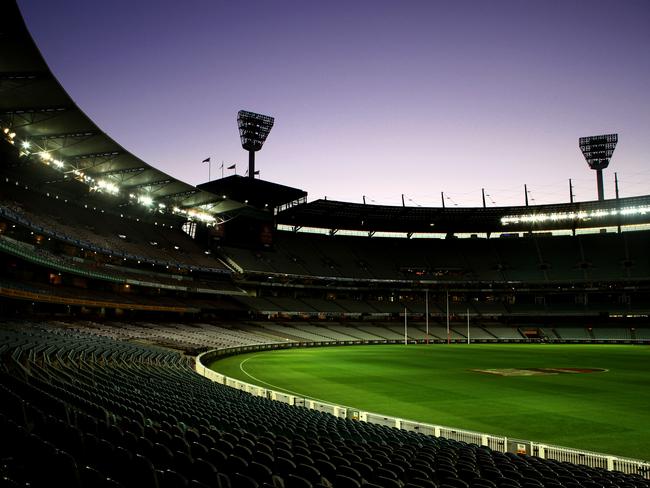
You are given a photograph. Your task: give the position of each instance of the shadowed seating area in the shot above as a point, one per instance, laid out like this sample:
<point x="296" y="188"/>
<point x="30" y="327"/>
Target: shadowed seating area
<point x="91" y="410"/>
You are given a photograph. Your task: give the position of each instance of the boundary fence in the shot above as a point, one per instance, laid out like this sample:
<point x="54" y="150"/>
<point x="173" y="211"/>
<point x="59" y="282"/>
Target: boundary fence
<point x="497" y="443"/>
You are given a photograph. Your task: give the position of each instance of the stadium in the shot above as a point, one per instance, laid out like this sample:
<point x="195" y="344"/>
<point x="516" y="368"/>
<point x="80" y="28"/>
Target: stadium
<point x="234" y="334"/>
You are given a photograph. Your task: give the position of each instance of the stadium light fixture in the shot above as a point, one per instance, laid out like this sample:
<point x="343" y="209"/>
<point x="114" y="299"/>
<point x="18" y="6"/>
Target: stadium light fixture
<point x="108" y="187"/>
<point x="541" y="218"/>
<point x="598" y="150"/>
<point x="25" y="144"/>
<point x="253" y="131"/>
<point x="145" y="200"/>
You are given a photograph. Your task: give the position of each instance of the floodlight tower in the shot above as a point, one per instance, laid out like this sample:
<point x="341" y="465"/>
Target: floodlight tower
<point x="598" y="150"/>
<point x="253" y="131"/>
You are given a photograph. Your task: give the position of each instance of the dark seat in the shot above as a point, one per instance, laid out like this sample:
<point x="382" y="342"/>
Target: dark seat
<point x="482" y="483"/>
<point x="198" y="484"/>
<point x="141" y="473"/>
<point x="422" y="483"/>
<point x="295" y="481"/>
<point x="342" y="481"/>
<point x="309" y="472"/>
<point x="205" y="472"/>
<point x="260" y="472"/>
<point x="388" y="482"/>
<point x="235" y="464"/>
<point x="455" y="483"/>
<point x="284" y="466"/>
<point x="349" y="472"/>
<point x="326" y="468"/>
<point x="240" y="480"/>
<point x="172" y="479"/>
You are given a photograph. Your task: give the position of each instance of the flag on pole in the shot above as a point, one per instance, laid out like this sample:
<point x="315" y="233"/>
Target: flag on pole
<point x="206" y="160"/>
<point x="232" y="166"/>
<point x="257" y="172"/>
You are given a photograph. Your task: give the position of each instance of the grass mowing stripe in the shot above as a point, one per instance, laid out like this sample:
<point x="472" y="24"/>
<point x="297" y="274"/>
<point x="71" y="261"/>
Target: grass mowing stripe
<point x="605" y="411"/>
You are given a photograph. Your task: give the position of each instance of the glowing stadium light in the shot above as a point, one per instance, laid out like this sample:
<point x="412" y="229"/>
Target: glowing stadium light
<point x="58" y="163"/>
<point x="145" y="200"/>
<point x="6" y="130"/>
<point x="46" y="156"/>
<point x="25" y="144"/>
<point x="572" y="216"/>
<point x="598" y="150"/>
<point x="202" y="216"/>
<point x="108" y="187"/>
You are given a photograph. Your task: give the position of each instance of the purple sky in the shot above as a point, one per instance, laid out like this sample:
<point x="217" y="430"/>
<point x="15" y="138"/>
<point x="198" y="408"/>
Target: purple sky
<point x="374" y="98"/>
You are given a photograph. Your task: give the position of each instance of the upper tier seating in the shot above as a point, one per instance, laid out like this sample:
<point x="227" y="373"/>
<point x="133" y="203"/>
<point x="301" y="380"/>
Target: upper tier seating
<point x="101" y="231"/>
<point x="537" y="259"/>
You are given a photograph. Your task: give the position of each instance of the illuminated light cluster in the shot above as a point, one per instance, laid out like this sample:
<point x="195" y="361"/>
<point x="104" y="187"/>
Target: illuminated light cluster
<point x="568" y="216"/>
<point x="202" y="216"/>
<point x="194" y="214"/>
<point x="9" y="134"/>
<point x="105" y="186"/>
<point x="145" y="200"/>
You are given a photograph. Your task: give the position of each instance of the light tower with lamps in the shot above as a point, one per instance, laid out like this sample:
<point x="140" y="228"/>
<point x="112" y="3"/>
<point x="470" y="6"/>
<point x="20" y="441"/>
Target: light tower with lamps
<point x="598" y="150"/>
<point x="253" y="131"/>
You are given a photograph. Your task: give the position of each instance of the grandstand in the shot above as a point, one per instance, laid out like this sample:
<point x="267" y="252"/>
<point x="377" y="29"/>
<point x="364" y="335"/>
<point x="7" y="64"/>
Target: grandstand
<point x="114" y="276"/>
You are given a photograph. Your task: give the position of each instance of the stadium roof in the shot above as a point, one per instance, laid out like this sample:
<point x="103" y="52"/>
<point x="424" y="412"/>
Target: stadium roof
<point x="255" y="192"/>
<point x="35" y="109"/>
<point x="335" y="215"/>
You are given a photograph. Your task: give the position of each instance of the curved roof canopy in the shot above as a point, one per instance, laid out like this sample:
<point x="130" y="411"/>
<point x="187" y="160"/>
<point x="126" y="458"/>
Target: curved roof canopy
<point x="331" y="214"/>
<point x="36" y="110"/>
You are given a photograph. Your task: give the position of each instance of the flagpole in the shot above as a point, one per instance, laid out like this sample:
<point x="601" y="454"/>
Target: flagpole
<point x="207" y="160"/>
<point x="222" y="169"/>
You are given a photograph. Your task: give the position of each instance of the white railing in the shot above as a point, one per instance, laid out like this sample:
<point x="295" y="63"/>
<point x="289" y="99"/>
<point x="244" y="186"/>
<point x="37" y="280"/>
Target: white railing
<point x="497" y="443"/>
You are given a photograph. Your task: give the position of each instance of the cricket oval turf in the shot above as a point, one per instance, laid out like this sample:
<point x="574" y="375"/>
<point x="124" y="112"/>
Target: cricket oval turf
<point x="592" y="397"/>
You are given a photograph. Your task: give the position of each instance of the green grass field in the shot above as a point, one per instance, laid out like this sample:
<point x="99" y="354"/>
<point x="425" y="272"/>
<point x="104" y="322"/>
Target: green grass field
<point x="603" y="411"/>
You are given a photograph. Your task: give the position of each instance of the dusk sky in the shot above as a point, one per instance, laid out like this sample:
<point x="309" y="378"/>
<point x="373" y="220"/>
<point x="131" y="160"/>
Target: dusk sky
<point x="374" y="98"/>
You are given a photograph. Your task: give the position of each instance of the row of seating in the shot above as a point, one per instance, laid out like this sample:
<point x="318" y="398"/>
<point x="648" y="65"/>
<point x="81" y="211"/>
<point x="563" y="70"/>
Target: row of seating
<point x="90" y="410"/>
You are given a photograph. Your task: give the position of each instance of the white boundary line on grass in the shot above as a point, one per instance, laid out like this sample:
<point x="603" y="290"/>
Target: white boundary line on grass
<point x="276" y="387"/>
